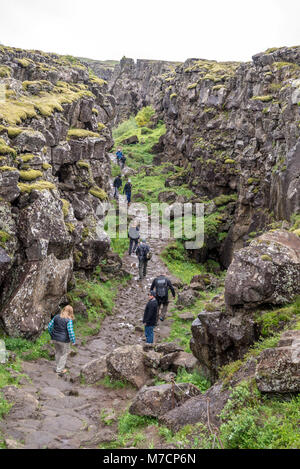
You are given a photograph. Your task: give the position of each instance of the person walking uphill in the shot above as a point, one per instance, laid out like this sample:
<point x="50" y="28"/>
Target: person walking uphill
<point x="119" y="156"/>
<point x="161" y="286"/>
<point x="62" y="333"/>
<point x="117" y="185"/>
<point x="134" y="235"/>
<point x="144" y="255"/>
<point x="127" y="190"/>
<point x="150" y="316"/>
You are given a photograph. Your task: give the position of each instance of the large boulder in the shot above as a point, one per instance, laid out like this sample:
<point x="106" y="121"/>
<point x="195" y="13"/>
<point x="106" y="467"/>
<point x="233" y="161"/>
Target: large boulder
<point x="95" y="370"/>
<point x="219" y="338"/>
<point x="155" y="401"/>
<point x="266" y="272"/>
<point x="278" y="369"/>
<point x="31" y="293"/>
<point x="127" y="364"/>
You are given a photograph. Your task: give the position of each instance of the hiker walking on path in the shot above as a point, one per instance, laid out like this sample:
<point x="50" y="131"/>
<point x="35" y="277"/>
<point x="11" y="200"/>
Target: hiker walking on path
<point x="143" y="253"/>
<point x="161" y="286"/>
<point x="134" y="235"/>
<point x="127" y="190"/>
<point x="150" y="316"/>
<point x="117" y="185"/>
<point x="122" y="161"/>
<point x="62" y="333"/>
<point x="119" y="155"/>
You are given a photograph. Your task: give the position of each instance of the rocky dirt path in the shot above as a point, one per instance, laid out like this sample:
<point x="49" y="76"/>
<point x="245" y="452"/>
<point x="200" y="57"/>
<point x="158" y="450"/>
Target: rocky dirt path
<point x="54" y="412"/>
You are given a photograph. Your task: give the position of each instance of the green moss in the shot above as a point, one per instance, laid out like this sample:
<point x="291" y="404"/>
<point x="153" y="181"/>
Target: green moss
<point x="85" y="233"/>
<point x="192" y="86"/>
<point x="252" y="180"/>
<point x="24" y="62"/>
<point x="95" y="111"/>
<point x="65" y="207"/>
<point x="101" y="126"/>
<point x="173" y="95"/>
<point x="81" y="133"/>
<point x="46" y="166"/>
<point x="225" y="199"/>
<point x="99" y="193"/>
<point x="5" y="149"/>
<point x="266" y="258"/>
<point x="27" y="157"/>
<point x="38" y="186"/>
<point x="229" y="161"/>
<point x="5" y="72"/>
<point x="8" y="168"/>
<point x="83" y="164"/>
<point x="71" y="227"/>
<point x="264" y="99"/>
<point x="4" y="237"/>
<point x="14" y="111"/>
<point x="30" y="175"/>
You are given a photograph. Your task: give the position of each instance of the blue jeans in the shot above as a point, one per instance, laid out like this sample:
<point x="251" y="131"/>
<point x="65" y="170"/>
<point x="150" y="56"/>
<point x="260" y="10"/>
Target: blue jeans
<point x="128" y="197"/>
<point x="149" y="333"/>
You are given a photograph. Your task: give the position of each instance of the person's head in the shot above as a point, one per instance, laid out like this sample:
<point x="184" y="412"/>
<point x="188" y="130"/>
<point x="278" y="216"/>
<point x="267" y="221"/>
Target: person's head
<point x="143" y="240"/>
<point x="67" y="312"/>
<point x="120" y="176"/>
<point x="129" y="180"/>
<point x="151" y="294"/>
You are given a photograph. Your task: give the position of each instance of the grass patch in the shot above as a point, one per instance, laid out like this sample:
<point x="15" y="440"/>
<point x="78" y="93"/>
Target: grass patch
<point x="178" y="263"/>
<point x="253" y="421"/>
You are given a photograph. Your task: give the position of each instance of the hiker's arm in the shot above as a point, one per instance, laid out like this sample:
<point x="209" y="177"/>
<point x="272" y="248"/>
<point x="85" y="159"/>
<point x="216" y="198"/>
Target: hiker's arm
<point x="50" y="326"/>
<point x="153" y="285"/>
<point x="71" y="331"/>
<point x="171" y="288"/>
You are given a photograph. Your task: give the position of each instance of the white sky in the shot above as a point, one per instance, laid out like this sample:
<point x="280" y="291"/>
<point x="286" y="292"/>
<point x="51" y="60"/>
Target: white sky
<point x="151" y="29"/>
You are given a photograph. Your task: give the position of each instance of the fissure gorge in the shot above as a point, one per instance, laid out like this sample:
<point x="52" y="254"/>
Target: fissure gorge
<point x="225" y="135"/>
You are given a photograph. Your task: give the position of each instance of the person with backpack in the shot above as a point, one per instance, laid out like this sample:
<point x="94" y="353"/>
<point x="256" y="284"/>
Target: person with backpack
<point x="150" y="316"/>
<point x="119" y="155"/>
<point x="144" y="255"/>
<point x="161" y="285"/>
<point x="117" y="185"/>
<point x="127" y="191"/>
<point x="134" y="235"/>
<point x="61" y="331"/>
<point x="122" y="161"/>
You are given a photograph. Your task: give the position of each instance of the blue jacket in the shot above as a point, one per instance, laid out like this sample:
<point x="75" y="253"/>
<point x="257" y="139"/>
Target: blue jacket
<point x="119" y="155"/>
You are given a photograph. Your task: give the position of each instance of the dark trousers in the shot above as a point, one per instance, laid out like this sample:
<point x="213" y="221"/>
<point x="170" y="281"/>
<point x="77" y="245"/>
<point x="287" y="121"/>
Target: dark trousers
<point x="149" y="334"/>
<point x="142" y="268"/>
<point x="132" y="245"/>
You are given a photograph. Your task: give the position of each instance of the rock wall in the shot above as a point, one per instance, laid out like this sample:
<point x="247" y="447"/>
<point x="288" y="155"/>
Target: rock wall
<point x="233" y="126"/>
<point x="54" y="174"/>
<point x="138" y="84"/>
<point x="236" y="127"/>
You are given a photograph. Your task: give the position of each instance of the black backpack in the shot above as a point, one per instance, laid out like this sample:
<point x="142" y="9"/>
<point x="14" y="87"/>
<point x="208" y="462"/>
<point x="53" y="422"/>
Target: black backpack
<point x="161" y="287"/>
<point x="146" y="254"/>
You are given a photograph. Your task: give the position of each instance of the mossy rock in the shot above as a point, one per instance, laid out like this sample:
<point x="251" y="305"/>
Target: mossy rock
<point x="81" y="133"/>
<point x="6" y="150"/>
<point x="99" y="193"/>
<point x="38" y="186"/>
<point x="30" y="175"/>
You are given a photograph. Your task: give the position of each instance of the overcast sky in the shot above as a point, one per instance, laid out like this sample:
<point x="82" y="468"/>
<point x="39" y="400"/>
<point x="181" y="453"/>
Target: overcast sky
<point x="153" y="29"/>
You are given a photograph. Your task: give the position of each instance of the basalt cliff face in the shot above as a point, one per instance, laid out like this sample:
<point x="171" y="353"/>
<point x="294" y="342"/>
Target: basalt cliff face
<point x="54" y="174"/>
<point x="233" y="127"/>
